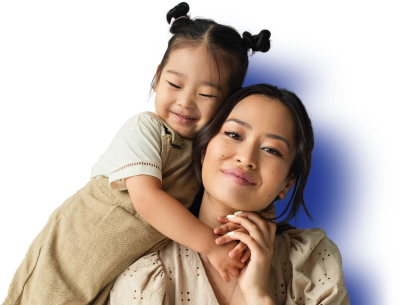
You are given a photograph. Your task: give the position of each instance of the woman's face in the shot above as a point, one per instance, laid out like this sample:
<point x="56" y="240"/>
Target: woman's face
<point x="246" y="165"/>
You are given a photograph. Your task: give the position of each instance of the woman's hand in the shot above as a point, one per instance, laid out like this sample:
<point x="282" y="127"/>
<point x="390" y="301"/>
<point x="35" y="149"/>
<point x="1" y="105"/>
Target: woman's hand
<point x="229" y="227"/>
<point x="253" y="278"/>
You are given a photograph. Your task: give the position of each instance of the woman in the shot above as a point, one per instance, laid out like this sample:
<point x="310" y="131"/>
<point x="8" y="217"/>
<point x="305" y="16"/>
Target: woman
<point x="257" y="147"/>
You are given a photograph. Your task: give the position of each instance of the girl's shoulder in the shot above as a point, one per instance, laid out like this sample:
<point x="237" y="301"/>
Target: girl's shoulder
<point x="144" y="119"/>
<point x="163" y="124"/>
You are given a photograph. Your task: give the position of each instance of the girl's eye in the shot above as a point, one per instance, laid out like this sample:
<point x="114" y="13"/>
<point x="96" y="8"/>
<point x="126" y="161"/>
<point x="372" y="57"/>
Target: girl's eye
<point x="233" y="135"/>
<point x="210" y="96"/>
<point x="272" y="151"/>
<point x="173" y="85"/>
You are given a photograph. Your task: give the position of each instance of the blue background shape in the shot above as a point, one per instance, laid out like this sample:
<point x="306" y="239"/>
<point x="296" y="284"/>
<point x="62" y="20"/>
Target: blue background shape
<point x="350" y="188"/>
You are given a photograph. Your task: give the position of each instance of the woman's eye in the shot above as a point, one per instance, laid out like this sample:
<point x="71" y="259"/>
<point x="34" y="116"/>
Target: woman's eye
<point x="173" y="85"/>
<point x="272" y="151"/>
<point x="233" y="135"/>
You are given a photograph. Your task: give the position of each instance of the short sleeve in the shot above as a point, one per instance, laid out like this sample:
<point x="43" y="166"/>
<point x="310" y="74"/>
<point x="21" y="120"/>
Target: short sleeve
<point x="143" y="282"/>
<point x="135" y="150"/>
<point x="317" y="270"/>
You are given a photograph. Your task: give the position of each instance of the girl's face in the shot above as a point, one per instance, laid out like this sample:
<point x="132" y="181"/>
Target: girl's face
<point x="246" y="165"/>
<point x="190" y="90"/>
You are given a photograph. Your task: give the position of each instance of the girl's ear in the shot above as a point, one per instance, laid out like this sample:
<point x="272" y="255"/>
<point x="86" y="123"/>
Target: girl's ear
<point x="157" y="79"/>
<point x="289" y="183"/>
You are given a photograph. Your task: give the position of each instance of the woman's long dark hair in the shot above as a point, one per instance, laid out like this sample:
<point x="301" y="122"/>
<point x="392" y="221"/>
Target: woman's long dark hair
<point x="304" y="140"/>
<point x="223" y="43"/>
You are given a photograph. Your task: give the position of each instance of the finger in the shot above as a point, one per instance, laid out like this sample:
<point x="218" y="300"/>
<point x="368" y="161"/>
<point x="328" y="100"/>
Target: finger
<point x="258" y="229"/>
<point x="257" y="223"/>
<point x="246" y="255"/>
<point x="225" y="239"/>
<point x="225" y="275"/>
<point x="264" y="215"/>
<point x="222" y="219"/>
<point x="251" y="242"/>
<point x="238" y="263"/>
<point x="230" y="226"/>
<point x="234" y="272"/>
<point x="238" y="249"/>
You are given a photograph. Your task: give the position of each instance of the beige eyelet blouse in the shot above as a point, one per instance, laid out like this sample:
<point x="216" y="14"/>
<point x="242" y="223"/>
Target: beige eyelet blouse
<point x="306" y="269"/>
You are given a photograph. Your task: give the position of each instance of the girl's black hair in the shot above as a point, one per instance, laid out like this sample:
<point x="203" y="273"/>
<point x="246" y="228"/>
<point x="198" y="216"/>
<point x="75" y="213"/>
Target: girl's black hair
<point x="224" y="43"/>
<point x="304" y="140"/>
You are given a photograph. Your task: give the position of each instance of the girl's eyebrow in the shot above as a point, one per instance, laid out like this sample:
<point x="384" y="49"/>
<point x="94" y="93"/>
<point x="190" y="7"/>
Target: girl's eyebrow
<point x="268" y="135"/>
<point x="181" y="75"/>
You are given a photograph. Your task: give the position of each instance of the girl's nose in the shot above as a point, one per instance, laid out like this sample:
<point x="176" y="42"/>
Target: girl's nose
<point x="186" y="101"/>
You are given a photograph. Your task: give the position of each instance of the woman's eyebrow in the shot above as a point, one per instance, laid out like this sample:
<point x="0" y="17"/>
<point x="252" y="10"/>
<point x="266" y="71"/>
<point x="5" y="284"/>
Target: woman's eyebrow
<point x="268" y="135"/>
<point x="181" y="75"/>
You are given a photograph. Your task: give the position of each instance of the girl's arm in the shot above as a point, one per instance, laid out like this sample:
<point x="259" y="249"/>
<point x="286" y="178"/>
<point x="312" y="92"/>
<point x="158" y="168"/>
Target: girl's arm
<point x="173" y="220"/>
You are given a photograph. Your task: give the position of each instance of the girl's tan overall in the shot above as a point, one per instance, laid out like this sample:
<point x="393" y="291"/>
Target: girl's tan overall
<point x="95" y="235"/>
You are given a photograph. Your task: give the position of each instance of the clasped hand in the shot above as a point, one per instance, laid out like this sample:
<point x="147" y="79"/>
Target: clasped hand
<point x="253" y="253"/>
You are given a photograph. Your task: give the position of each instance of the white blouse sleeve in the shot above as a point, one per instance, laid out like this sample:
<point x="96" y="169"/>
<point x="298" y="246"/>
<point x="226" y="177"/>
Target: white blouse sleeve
<point x="135" y="150"/>
<point x="142" y="283"/>
<point x="317" y="270"/>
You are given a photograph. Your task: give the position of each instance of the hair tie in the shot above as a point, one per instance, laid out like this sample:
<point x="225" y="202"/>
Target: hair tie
<point x="173" y="20"/>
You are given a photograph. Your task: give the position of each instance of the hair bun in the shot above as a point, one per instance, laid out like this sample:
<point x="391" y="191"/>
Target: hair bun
<point x="179" y="10"/>
<point x="258" y="42"/>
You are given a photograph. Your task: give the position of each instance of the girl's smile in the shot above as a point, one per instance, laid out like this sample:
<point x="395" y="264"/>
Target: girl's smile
<point x="183" y="118"/>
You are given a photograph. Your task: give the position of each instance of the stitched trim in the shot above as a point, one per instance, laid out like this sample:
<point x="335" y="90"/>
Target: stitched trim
<point x="156" y="119"/>
<point x="134" y="164"/>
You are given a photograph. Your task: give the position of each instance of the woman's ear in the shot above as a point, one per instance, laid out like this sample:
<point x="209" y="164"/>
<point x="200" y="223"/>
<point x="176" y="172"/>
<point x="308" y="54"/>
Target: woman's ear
<point x="203" y="154"/>
<point x="283" y="193"/>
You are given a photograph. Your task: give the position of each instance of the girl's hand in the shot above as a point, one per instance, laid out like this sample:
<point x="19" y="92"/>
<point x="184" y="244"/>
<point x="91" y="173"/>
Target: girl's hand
<point x="253" y="279"/>
<point x="229" y="227"/>
<point x="225" y="265"/>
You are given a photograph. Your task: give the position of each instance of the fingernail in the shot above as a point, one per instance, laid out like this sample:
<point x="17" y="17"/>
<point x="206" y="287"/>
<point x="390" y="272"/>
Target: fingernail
<point x="230" y="216"/>
<point x="218" y="240"/>
<point x="238" y="212"/>
<point x="230" y="233"/>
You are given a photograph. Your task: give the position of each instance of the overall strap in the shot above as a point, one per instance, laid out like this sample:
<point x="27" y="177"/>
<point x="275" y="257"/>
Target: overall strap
<point x="176" y="140"/>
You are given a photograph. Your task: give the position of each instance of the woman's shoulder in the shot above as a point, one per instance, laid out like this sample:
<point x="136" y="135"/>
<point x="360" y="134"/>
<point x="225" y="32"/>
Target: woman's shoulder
<point x="143" y="280"/>
<point x="160" y="276"/>
<point x="314" y="264"/>
<point x="301" y="242"/>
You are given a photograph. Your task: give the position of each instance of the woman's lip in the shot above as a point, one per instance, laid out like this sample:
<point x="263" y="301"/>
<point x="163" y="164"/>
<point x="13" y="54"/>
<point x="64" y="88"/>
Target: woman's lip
<point x="240" y="174"/>
<point x="237" y="180"/>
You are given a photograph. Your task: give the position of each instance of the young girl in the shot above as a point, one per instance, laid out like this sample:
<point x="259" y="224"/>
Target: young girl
<point x="144" y="182"/>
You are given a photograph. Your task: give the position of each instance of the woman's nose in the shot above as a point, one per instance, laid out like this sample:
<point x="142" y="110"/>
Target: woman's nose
<point x="247" y="156"/>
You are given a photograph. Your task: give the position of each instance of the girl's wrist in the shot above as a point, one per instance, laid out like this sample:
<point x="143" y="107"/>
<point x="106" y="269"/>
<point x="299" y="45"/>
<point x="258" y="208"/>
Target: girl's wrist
<point x="207" y="243"/>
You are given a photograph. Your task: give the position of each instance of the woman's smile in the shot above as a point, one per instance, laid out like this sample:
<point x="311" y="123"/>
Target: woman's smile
<point x="238" y="177"/>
